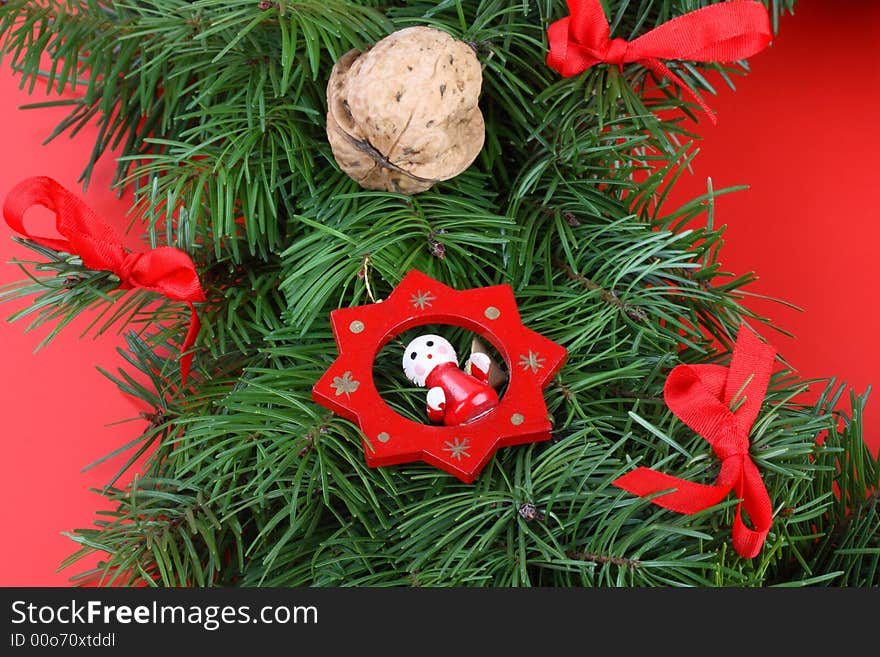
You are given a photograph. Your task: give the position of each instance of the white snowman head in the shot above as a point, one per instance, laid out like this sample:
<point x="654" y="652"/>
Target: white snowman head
<point x="423" y="354"/>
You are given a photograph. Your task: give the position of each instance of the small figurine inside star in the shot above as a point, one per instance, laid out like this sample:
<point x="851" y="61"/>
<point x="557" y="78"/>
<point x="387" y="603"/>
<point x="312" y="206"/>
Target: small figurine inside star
<point x="455" y="396"/>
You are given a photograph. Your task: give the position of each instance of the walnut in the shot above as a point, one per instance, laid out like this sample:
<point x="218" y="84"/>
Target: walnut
<point x="404" y="114"/>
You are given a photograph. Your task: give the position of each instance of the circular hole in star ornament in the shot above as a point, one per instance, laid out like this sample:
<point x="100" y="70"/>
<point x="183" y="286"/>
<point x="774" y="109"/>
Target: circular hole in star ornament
<point x="440" y="374"/>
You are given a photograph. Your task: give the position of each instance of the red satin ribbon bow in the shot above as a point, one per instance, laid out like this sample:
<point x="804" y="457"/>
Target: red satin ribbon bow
<point x="701" y="396"/>
<point x="166" y="270"/>
<point x="724" y="32"/>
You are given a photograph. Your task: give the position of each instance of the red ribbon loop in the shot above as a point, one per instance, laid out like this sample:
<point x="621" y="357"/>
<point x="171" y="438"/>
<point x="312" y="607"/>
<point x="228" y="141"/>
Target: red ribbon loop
<point x="165" y="270"/>
<point x="702" y="396"/>
<point x="725" y="32"/>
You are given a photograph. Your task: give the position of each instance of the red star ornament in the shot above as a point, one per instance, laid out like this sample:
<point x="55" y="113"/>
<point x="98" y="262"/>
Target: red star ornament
<point x="347" y="386"/>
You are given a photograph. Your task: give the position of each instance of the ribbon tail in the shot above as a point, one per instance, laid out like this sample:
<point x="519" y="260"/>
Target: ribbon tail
<point x="42" y="191"/>
<point x="748" y="542"/>
<point x="194" y="326"/>
<point x="660" y="69"/>
<point x="722" y="32"/>
<point x="689" y="497"/>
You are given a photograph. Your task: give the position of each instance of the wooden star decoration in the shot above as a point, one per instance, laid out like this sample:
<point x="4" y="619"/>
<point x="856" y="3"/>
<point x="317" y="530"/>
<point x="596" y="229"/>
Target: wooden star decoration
<point x="348" y="389"/>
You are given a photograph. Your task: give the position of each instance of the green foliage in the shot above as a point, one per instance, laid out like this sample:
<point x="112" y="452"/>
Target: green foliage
<point x="219" y="110"/>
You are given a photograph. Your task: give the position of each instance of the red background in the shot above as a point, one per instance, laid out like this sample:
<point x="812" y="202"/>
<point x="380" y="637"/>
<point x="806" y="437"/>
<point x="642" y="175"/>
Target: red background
<point x="800" y="131"/>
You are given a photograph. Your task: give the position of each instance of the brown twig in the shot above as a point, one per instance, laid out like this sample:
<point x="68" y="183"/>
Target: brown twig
<point x="567" y="393"/>
<point x="156" y="419"/>
<point x="312" y="436"/>
<point x="633" y="312"/>
<point x="603" y="558"/>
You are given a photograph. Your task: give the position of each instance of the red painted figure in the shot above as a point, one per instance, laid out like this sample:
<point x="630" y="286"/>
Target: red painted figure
<point x="454" y="396"/>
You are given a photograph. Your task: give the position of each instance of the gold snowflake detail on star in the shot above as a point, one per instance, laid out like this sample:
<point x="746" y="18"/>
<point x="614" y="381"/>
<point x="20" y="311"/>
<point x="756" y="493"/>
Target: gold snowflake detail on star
<point x="344" y="384"/>
<point x="532" y="362"/>
<point x="421" y="300"/>
<point x="457" y="448"/>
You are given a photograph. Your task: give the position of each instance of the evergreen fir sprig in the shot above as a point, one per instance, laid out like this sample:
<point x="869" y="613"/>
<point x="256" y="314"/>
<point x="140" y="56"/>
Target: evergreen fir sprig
<point x="218" y="109"/>
<point x="71" y="289"/>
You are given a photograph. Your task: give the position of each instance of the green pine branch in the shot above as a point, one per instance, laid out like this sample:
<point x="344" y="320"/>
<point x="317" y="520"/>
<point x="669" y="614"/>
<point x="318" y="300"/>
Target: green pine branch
<point x="218" y="109"/>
